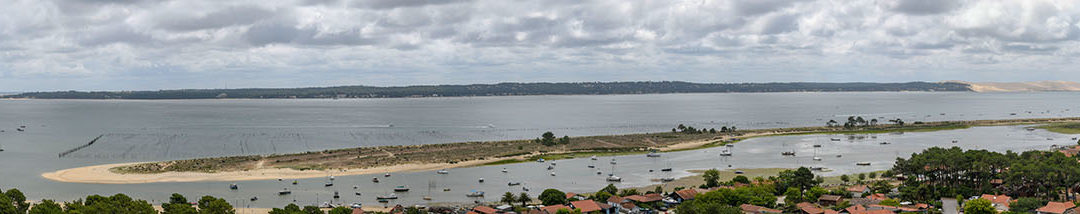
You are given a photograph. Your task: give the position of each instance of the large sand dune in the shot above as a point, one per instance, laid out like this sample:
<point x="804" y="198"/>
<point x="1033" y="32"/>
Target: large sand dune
<point x="1024" y="86"/>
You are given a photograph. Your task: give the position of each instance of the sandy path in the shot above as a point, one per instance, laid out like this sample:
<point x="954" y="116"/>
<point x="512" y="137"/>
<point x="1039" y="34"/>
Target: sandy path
<point x="100" y="174"/>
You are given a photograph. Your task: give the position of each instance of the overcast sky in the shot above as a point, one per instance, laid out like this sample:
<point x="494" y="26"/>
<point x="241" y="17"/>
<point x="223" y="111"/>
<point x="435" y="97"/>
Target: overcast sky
<point x="134" y="44"/>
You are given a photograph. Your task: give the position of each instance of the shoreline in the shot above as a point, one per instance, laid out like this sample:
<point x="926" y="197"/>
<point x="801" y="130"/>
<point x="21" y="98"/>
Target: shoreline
<point x="107" y="173"/>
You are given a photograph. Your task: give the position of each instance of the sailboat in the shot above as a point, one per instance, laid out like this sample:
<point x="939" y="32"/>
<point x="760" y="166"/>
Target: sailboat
<point x="431" y="185"/>
<point x="725" y="153"/>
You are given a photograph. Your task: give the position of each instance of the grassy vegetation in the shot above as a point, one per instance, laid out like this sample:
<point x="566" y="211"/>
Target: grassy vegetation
<point x="1062" y="128"/>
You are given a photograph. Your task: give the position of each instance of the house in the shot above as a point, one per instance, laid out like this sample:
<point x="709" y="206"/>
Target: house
<point x="555" y="208"/>
<point x="484" y="210"/>
<point x="1057" y="208"/>
<point x="684" y="195"/>
<point x="829" y="200"/>
<point x="808" y="208"/>
<point x="570" y="195"/>
<point x="1000" y="202"/>
<point x="877" y="197"/>
<point x="857" y="191"/>
<point x="590" y="206"/>
<point x="751" y="209"/>
<point x="648" y="198"/>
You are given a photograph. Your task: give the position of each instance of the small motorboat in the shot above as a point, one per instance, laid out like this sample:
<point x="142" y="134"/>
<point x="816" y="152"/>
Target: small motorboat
<point x="279" y="179"/>
<point x="446" y="189"/>
<point x="614" y="178"/>
<point x="817" y="145"/>
<point x="612" y="162"/>
<point x="667" y="179"/>
<point x="328" y="184"/>
<point x="233" y="186"/>
<point x="357" y="193"/>
<point x="383" y="200"/>
<point x="834" y="139"/>
<point x="474" y="194"/>
<point x="725" y="153"/>
<point x="481" y="180"/>
<point x="504" y="170"/>
<point x="336" y="195"/>
<point x="541" y="160"/>
<point x="552" y="173"/>
<point x="862" y="164"/>
<point x="787" y="153"/>
<point x="552" y="163"/>
<point x="389" y="196"/>
<point x="442" y="172"/>
<point x="255" y="198"/>
<point x="355" y="187"/>
<point x="525" y="189"/>
<point x="427" y="198"/>
<point x="652" y="155"/>
<point x="1030" y="129"/>
<point x="817" y="168"/>
<point x="401" y="189"/>
<point x="665" y="170"/>
<point x="884" y="143"/>
<point x="591" y="166"/>
<point x="593" y="157"/>
<point x="839" y="156"/>
<point x="356" y="205"/>
<point x="550" y="167"/>
<point x="817" y="158"/>
<point x="285" y="191"/>
<point x="386" y="175"/>
<point x="294" y="182"/>
<point x="375" y="179"/>
<point x="598" y="172"/>
<point x="331" y="177"/>
<point x="513" y="183"/>
<point x="739" y="172"/>
<point x="730" y="145"/>
<point x="955" y="141"/>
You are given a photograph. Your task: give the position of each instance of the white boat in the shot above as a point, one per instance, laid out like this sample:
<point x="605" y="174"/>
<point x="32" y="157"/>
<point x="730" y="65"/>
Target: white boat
<point x="390" y="196"/>
<point x="233" y="186"/>
<point x="817" y="145"/>
<point x="541" y="160"/>
<point x="481" y="180"/>
<point x="356" y="205"/>
<point x="284" y="192"/>
<point x="328" y="184"/>
<point x="725" y="153"/>
<point x="787" y="153"/>
<point x="667" y="179"/>
<point x="552" y="163"/>
<point x="375" y="179"/>
<point x="386" y="175"/>
<point x="593" y="157"/>
<point x="552" y="173"/>
<point x="401" y="189"/>
<point x="504" y="170"/>
<point x="614" y="178"/>
<point x="475" y="193"/>
<point x="443" y="172"/>
<point x="652" y="155"/>
<point x="331" y="177"/>
<point x="817" y="158"/>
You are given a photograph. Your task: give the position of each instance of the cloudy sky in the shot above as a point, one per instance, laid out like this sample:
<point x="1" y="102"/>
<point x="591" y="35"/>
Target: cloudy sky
<point x="136" y="44"/>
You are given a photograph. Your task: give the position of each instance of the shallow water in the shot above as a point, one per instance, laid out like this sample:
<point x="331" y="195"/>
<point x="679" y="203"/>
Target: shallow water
<point x="177" y="129"/>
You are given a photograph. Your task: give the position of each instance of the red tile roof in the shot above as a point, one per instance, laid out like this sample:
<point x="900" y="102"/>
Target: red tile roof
<point x="570" y="195"/>
<point x="857" y="188"/>
<point x="756" y="209"/>
<point x="877" y="196"/>
<point x="809" y="208"/>
<point x="615" y="199"/>
<point x="997" y="199"/>
<point x="555" y="208"/>
<point x="484" y="210"/>
<point x="585" y="206"/>
<point x="644" y="198"/>
<point x="686" y="194"/>
<point x="1056" y="207"/>
<point x="829" y="198"/>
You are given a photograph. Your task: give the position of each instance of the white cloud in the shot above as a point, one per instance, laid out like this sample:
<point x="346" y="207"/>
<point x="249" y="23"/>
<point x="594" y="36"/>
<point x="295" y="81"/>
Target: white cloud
<point x="133" y="44"/>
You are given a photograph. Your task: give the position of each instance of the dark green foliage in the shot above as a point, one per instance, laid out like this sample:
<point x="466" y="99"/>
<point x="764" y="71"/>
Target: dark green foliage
<point x="938" y="172"/>
<point x="119" y="204"/>
<point x="712" y="178"/>
<point x="726" y="200"/>
<point x="979" y="206"/>
<point x="497" y="90"/>
<point x="1027" y="204"/>
<point x="19" y="199"/>
<point x="564" y="140"/>
<point x="524" y="198"/>
<point x="46" y="207"/>
<point x="740" y="179"/>
<point x="626" y="192"/>
<point x="178" y="209"/>
<point x="211" y="205"/>
<point x="7" y="206"/>
<point x="508" y="198"/>
<point x="547" y="139"/>
<point x="289" y="209"/>
<point x="610" y="189"/>
<point x="312" y="210"/>
<point x="552" y="197"/>
<point x="345" y="210"/>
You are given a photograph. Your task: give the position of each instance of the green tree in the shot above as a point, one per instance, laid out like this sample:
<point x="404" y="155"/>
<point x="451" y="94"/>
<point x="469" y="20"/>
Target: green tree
<point x="862" y="177"/>
<point x="564" y="140"/>
<point x="508" y="198"/>
<point x="547" y="139"/>
<point x="7" y="206"/>
<point x="873" y="175"/>
<point x="1026" y="204"/>
<point x="178" y="209"/>
<point x="568" y="211"/>
<point x="312" y="210"/>
<point x="979" y="206"/>
<point x="740" y="179"/>
<point x="177" y="198"/>
<point x="552" y="197"/>
<point x="524" y="198"/>
<point x="341" y="210"/>
<point x="19" y="199"/>
<point x="881" y="186"/>
<point x="118" y="204"/>
<point x="712" y="178"/>
<point x="215" y="206"/>
<point x="289" y="209"/>
<point x="627" y="192"/>
<point x="611" y="189"/>
<point x="815" y="192"/>
<point x="601" y="196"/>
<point x="845" y="178"/>
<point x="793" y="196"/>
<point x="47" y="207"/>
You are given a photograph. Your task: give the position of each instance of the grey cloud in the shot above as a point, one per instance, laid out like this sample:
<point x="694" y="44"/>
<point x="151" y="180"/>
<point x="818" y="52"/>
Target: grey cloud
<point x="757" y="7"/>
<point x="231" y="16"/>
<point x="113" y="34"/>
<point x="924" y="7"/>
<point x="391" y="4"/>
<point x="264" y="34"/>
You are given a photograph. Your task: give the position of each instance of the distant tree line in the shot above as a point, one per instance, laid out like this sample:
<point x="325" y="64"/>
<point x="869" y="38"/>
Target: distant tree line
<point x="501" y="89"/>
<point x="939" y="172"/>
<point x="691" y="130"/>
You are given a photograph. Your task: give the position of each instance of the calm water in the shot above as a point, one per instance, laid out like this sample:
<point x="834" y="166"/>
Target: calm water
<point x="179" y="129"/>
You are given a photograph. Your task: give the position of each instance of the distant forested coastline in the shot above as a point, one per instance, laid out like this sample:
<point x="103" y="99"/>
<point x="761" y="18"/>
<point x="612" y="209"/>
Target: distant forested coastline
<point x="500" y="89"/>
